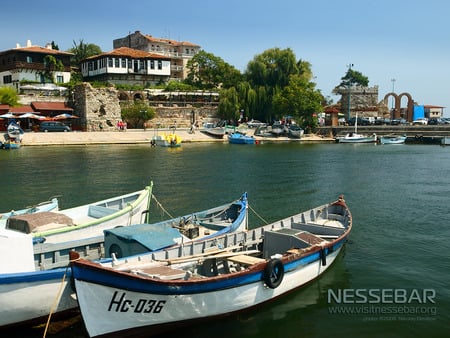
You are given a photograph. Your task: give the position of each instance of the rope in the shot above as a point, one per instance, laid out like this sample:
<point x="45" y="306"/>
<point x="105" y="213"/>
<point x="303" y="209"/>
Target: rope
<point x="262" y="219"/>
<point x="162" y="208"/>
<point x="56" y="302"/>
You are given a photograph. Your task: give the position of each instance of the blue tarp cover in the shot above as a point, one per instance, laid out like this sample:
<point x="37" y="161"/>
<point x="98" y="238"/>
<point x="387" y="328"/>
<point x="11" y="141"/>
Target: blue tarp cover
<point x="152" y="236"/>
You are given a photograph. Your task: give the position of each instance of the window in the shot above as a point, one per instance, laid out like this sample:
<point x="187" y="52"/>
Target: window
<point x="59" y="79"/>
<point x="159" y="64"/>
<point x="152" y="64"/>
<point x="130" y="64"/>
<point x="116" y="62"/>
<point x="110" y="62"/>
<point x="7" y="79"/>
<point x="29" y="59"/>
<point x="124" y="63"/>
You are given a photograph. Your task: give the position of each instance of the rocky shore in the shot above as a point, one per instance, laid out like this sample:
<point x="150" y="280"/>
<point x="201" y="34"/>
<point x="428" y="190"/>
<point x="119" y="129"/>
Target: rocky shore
<point x="135" y="136"/>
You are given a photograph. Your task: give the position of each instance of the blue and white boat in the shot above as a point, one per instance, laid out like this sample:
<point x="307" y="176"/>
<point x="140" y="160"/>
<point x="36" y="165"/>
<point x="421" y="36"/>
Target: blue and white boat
<point x="30" y="287"/>
<point x="239" y="138"/>
<point x="392" y="139"/>
<point x="51" y="205"/>
<point x="210" y="278"/>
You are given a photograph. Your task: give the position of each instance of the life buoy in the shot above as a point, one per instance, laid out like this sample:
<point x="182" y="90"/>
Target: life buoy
<point x="273" y="273"/>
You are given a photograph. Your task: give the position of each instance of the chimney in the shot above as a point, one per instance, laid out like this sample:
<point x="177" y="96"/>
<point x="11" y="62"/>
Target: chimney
<point x="17" y="45"/>
<point x="48" y="45"/>
<point x="28" y="43"/>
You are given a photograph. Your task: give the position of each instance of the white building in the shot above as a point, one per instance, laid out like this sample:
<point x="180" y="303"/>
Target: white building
<point x="33" y="64"/>
<point x="179" y="52"/>
<point x="127" y="66"/>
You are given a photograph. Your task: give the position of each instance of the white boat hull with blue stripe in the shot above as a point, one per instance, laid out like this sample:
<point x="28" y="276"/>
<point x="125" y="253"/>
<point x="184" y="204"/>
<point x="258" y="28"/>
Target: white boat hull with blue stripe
<point x="207" y="279"/>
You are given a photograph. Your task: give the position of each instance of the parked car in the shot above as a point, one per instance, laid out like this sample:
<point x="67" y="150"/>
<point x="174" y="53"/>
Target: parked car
<point x="361" y="121"/>
<point x="255" y="124"/>
<point x="53" y="126"/>
<point x="435" y="121"/>
<point x="421" y="120"/>
<point x="398" y="121"/>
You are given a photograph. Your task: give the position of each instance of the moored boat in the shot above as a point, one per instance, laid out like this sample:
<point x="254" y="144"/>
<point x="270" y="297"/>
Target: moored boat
<point x="354" y="137"/>
<point x="238" y="138"/>
<point x="392" y="139"/>
<point x="357" y="138"/>
<point x="167" y="140"/>
<point x="178" y="286"/>
<point x="51" y="205"/>
<point x="34" y="252"/>
<point x="28" y="292"/>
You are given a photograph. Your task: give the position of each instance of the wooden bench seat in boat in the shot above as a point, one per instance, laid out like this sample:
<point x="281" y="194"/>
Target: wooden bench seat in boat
<point x="245" y="259"/>
<point x="162" y="272"/>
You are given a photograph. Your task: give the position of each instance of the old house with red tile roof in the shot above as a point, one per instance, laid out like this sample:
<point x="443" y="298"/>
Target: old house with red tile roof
<point x="179" y="52"/>
<point x="127" y="66"/>
<point x="30" y="63"/>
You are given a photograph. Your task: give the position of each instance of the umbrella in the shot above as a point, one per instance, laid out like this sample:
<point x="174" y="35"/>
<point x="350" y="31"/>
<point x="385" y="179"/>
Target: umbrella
<point x="65" y="116"/>
<point x="30" y="116"/>
<point x="7" y="116"/>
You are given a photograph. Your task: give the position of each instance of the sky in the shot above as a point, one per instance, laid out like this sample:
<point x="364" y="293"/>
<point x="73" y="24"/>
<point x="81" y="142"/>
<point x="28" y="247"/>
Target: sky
<point x="400" y="45"/>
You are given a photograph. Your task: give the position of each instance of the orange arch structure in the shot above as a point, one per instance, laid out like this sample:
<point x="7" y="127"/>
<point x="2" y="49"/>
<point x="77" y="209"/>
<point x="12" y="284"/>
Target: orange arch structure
<point x="397" y="105"/>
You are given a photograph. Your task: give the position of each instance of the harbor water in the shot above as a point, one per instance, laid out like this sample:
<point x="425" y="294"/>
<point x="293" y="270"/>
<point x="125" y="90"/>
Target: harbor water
<point x="391" y="280"/>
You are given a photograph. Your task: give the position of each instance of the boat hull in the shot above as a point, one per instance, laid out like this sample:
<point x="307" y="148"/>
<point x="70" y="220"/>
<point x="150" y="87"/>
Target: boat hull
<point x="358" y="139"/>
<point x="29" y="296"/>
<point x="237" y="138"/>
<point x="178" y="287"/>
<point x="392" y="140"/>
<point x="118" y="310"/>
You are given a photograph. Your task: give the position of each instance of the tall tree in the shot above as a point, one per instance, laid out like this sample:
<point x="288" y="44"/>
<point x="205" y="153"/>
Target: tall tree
<point x="82" y="51"/>
<point x="268" y="73"/>
<point x="301" y="100"/>
<point x="207" y="71"/>
<point x="352" y="78"/>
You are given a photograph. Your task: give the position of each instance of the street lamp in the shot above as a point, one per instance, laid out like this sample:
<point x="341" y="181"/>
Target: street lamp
<point x="350" y="65"/>
<point x="393" y="99"/>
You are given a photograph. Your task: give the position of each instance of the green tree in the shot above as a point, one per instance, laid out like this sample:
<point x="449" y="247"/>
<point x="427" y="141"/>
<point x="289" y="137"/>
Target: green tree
<point x="207" y="71"/>
<point x="352" y="78"/>
<point x="137" y="113"/>
<point x="229" y="104"/>
<point x="268" y="73"/>
<point x="8" y="95"/>
<point x="82" y="51"/>
<point x="51" y="65"/>
<point x="300" y="100"/>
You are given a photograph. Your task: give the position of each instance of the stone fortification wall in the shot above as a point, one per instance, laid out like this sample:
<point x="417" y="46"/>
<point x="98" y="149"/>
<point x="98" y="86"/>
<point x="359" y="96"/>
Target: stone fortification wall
<point x="99" y="109"/>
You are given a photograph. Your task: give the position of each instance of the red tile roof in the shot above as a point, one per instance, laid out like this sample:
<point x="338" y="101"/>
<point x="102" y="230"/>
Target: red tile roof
<point x="37" y="49"/>
<point x="52" y="106"/>
<point x="168" y="41"/>
<point x="130" y="52"/>
<point x="21" y="109"/>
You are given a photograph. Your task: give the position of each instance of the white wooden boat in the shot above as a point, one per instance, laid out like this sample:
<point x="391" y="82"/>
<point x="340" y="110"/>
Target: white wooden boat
<point x="33" y="260"/>
<point x="156" y="292"/>
<point x="28" y="294"/>
<point x="51" y="205"/>
<point x="357" y="138"/>
<point x="354" y="137"/>
<point x="392" y="139"/>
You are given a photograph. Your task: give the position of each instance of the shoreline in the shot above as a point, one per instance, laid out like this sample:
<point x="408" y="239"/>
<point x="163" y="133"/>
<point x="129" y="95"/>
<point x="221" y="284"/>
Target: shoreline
<point x="138" y="136"/>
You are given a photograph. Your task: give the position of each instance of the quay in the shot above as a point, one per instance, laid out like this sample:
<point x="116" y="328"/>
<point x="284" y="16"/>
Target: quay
<point x="139" y="136"/>
<point x="414" y="133"/>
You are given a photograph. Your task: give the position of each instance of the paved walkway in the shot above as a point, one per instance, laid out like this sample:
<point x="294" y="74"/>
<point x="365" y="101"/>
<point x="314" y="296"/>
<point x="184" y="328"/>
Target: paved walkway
<point x="132" y="136"/>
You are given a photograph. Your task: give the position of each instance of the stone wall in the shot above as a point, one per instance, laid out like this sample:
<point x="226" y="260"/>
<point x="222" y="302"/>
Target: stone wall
<point x="99" y="109"/>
